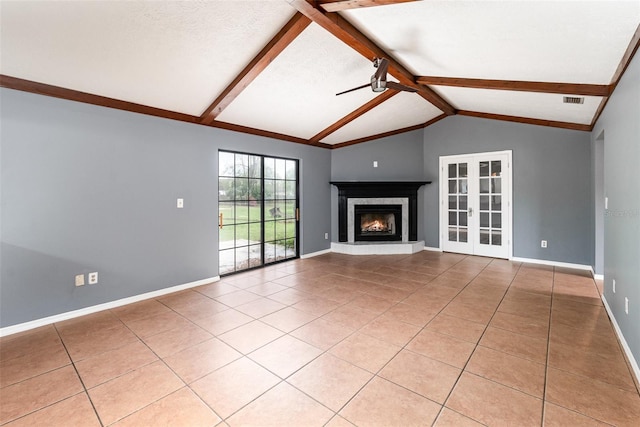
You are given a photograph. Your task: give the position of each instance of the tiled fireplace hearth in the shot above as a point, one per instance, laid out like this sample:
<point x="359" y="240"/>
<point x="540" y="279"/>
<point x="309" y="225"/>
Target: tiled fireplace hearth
<point x="378" y="217"/>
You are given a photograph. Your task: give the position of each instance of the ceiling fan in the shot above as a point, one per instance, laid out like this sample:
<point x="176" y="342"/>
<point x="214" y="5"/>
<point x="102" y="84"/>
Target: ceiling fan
<point x="379" y="81"/>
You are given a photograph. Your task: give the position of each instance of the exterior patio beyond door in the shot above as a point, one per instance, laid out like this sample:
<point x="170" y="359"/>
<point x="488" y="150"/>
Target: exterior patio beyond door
<point x="475" y="204"/>
<point x="257" y="210"/>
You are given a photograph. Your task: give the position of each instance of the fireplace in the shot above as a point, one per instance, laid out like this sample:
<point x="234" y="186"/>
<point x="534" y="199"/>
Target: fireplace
<point x="377" y="222"/>
<point x="399" y="198"/>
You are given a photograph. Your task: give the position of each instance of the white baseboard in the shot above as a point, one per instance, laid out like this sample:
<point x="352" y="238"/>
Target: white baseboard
<point x="312" y="254"/>
<point x="21" y="327"/>
<point x="553" y="263"/>
<point x="632" y="361"/>
<point x="429" y="248"/>
<point x="598" y="276"/>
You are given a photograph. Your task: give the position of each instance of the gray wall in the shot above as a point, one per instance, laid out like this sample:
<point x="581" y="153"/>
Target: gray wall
<point x="87" y="188"/>
<point x="399" y="158"/>
<point x="620" y="122"/>
<point x="551" y="183"/>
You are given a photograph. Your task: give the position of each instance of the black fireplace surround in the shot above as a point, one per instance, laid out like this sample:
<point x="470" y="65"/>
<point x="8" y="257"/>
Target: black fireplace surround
<point x="369" y="189"/>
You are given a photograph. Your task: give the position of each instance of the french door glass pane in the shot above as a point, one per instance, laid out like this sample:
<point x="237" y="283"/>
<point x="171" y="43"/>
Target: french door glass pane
<point x="457" y="209"/>
<point x="491" y="203"/>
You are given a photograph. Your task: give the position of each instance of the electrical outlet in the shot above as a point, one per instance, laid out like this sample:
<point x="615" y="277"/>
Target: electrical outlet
<point x="614" y="286"/>
<point x="180" y="203"/>
<point x="606" y="203"/>
<point x="626" y="305"/>
<point x="79" y="279"/>
<point x="375" y="163"/>
<point x="543" y="244"/>
<point x="93" y="278"/>
<point x="326" y="236"/>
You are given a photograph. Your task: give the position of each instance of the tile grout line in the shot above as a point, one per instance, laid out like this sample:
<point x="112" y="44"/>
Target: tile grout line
<point x="84" y="387"/>
<point x="462" y="370"/>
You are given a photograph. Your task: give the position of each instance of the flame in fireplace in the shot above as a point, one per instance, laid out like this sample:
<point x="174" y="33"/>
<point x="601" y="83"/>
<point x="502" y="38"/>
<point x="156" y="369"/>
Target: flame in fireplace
<point x="374" y="226"/>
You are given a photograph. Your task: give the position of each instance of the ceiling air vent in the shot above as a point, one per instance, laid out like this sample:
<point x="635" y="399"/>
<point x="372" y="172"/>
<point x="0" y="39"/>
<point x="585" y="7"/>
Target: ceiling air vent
<point x="573" y="100"/>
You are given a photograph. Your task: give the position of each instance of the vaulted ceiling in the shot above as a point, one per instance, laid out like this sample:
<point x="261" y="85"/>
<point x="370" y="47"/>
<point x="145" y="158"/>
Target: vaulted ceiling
<point x="273" y="67"/>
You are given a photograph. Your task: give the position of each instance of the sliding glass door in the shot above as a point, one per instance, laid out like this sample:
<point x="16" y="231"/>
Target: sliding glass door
<point x="257" y="210"/>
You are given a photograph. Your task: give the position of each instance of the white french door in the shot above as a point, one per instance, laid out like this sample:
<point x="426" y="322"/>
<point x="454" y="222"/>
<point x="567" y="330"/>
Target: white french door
<point x="475" y="204"/>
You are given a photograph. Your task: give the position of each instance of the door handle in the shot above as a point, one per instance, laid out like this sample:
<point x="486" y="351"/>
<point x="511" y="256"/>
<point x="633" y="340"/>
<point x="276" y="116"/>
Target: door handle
<point x="220" y="221"/>
<point x="470" y="212"/>
<point x="297" y="214"/>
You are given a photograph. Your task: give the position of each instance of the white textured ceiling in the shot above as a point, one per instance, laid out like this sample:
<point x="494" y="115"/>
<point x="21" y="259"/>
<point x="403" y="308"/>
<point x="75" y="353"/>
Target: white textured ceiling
<point x="548" y="41"/>
<point x="181" y="55"/>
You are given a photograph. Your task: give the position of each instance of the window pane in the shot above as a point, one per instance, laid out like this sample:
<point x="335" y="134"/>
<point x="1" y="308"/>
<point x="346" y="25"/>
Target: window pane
<point x="242" y="189"/>
<point x="453" y="218"/>
<point x="290" y="209"/>
<point x="227" y="237"/>
<point x="255" y="256"/>
<point x="290" y="189"/>
<point x="225" y="189"/>
<point x="452" y="171"/>
<point x="242" y="258"/>
<point x="463" y="235"/>
<point x="496" y="168"/>
<point x="496" y="220"/>
<point x="255" y="167"/>
<point x="281" y="168"/>
<point x="225" y="164"/>
<point x="463" y="186"/>
<point x="496" y="185"/>
<point x="484" y="237"/>
<point x="269" y="167"/>
<point x="255" y="192"/>
<point x="255" y="232"/>
<point x="484" y="168"/>
<point x="227" y="261"/>
<point x="453" y="234"/>
<point x="484" y="219"/>
<point x="484" y="203"/>
<point x="463" y="203"/>
<point x="269" y="252"/>
<point x="269" y="189"/>
<point x="484" y="185"/>
<point x="462" y="170"/>
<point x="227" y="210"/>
<point x="453" y="202"/>
<point x="255" y="212"/>
<point x="462" y="219"/>
<point x="496" y="203"/>
<point x="280" y="190"/>
<point x="496" y="238"/>
<point x="269" y="231"/>
<point x="291" y="169"/>
<point x="242" y="165"/>
<point x="453" y="187"/>
<point x="275" y="211"/>
<point x="241" y="213"/>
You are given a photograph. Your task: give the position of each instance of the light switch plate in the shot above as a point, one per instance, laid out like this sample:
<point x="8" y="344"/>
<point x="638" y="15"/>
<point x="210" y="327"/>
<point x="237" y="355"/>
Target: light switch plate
<point x="180" y="203"/>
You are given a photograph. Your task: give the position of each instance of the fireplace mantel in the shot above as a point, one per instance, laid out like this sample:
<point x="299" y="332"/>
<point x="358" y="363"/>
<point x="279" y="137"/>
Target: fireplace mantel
<point x="363" y="189"/>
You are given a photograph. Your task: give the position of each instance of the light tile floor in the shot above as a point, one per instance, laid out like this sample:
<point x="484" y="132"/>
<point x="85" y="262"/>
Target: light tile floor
<point x="425" y="339"/>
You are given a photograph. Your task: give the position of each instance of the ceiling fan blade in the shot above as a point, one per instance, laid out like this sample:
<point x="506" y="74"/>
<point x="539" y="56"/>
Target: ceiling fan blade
<point x="355" y="88"/>
<point x="383" y="66"/>
<point x="398" y="86"/>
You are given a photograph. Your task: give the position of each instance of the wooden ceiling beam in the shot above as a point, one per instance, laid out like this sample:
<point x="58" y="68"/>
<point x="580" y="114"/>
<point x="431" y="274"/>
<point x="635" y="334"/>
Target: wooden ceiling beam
<point x="347" y="33"/>
<point x="527" y="120"/>
<point x="285" y="36"/>
<point x="88" y="98"/>
<point x="634" y="44"/>
<point x="338" y="5"/>
<point x="387" y="94"/>
<point x="515" y="85"/>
